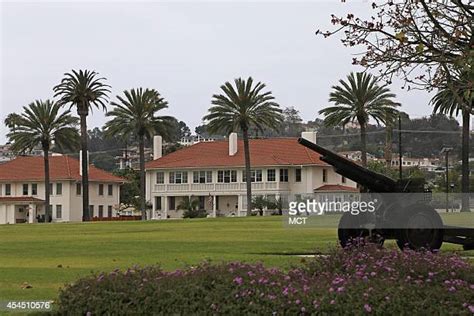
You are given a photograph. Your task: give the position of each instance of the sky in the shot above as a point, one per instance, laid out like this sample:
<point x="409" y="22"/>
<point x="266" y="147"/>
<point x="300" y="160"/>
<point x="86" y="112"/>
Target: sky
<point x="183" y="49"/>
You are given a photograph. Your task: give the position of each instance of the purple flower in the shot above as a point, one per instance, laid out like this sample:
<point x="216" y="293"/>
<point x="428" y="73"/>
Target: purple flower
<point x="238" y="280"/>
<point x="368" y="308"/>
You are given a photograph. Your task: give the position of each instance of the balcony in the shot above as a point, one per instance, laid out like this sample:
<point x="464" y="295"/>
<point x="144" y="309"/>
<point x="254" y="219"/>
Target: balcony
<point x="221" y="187"/>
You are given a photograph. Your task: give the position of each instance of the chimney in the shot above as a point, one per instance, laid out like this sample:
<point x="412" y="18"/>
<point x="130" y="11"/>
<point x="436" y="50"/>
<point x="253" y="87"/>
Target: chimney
<point x="232" y="144"/>
<point x="157" y="147"/>
<point x="311" y="136"/>
<point x="80" y="162"/>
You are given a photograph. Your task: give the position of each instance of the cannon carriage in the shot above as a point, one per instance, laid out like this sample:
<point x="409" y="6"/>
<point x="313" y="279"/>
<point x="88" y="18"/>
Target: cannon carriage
<point x="403" y="212"/>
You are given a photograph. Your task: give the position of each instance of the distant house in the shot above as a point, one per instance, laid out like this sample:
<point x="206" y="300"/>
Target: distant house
<point x="194" y="139"/>
<point x="427" y="164"/>
<point x="22" y="190"/>
<point x="130" y="158"/>
<point x="355" y="155"/>
<point x="214" y="174"/>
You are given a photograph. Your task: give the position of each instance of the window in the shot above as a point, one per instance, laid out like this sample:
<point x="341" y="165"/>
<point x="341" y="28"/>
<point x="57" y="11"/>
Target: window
<point x="271" y="175"/>
<point x="78" y="189"/>
<point x="101" y="211"/>
<point x="157" y="203"/>
<point x="226" y="176"/>
<point x="59" y="188"/>
<point x="34" y="189"/>
<point x="51" y="188"/>
<point x="255" y="176"/>
<point x="178" y="177"/>
<point x="160" y="177"/>
<point x="109" y="211"/>
<point x="110" y="190"/>
<point x="8" y="189"/>
<point x="343" y="179"/>
<point x="298" y="175"/>
<point x="91" y="210"/>
<point x="202" y="177"/>
<point x="101" y="189"/>
<point x="283" y="175"/>
<point x="59" y="211"/>
<point x="25" y="189"/>
<point x="325" y="175"/>
<point x="172" y="203"/>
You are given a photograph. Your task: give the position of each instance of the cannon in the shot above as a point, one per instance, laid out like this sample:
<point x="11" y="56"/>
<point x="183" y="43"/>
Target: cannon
<point x="403" y="212"/>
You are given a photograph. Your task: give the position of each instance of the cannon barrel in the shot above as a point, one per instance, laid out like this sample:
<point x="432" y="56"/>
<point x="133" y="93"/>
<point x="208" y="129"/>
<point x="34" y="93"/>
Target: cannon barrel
<point x="373" y="181"/>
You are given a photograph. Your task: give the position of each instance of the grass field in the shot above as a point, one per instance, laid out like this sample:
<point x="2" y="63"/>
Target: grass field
<point x="49" y="255"/>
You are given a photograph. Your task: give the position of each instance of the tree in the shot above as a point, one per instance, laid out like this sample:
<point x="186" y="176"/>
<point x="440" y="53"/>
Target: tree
<point x="134" y="115"/>
<point x="178" y="130"/>
<point x="11" y="121"/>
<point x="358" y="100"/>
<point x="84" y="90"/>
<point x="41" y="124"/>
<point x="240" y="108"/>
<point x="446" y="102"/>
<point x="130" y="188"/>
<point x="188" y="204"/>
<point x="292" y="122"/>
<point x="260" y="202"/>
<point x="426" y="43"/>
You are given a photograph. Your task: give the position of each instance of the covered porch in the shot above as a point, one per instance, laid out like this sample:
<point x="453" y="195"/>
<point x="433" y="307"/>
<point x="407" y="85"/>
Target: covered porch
<point x="215" y="205"/>
<point x="16" y="210"/>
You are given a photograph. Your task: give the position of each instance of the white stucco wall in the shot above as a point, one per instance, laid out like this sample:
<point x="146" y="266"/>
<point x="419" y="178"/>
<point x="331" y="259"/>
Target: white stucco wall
<point x="70" y="202"/>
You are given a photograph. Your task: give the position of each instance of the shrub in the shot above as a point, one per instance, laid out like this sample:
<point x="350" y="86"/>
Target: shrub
<point x="194" y="214"/>
<point x="360" y="280"/>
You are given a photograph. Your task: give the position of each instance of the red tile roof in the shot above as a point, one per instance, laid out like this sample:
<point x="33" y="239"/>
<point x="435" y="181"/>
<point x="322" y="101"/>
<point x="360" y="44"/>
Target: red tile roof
<point x="19" y="199"/>
<point x="264" y="152"/>
<point x="26" y="168"/>
<point x="336" y="188"/>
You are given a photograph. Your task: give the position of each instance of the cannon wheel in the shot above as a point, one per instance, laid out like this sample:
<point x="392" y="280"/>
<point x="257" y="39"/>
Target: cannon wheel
<point x="422" y="238"/>
<point x="346" y="233"/>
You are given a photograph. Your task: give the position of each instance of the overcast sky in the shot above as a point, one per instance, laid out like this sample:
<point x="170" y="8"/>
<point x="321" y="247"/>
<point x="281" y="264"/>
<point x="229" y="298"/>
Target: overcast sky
<point x="185" y="50"/>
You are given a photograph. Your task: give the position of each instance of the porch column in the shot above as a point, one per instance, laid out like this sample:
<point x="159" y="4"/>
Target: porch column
<point x="3" y="213"/>
<point x="10" y="210"/>
<point x="153" y="208"/>
<point x="31" y="213"/>
<point x="165" y="207"/>
<point x="214" y="206"/>
<point x="240" y="202"/>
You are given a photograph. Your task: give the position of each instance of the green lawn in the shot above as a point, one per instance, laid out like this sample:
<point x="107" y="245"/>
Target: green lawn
<point x="49" y="255"/>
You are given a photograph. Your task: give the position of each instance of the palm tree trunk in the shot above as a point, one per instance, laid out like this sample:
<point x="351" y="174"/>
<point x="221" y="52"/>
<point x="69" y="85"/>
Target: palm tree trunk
<point x="141" y="144"/>
<point x="86" y="216"/>
<point x="363" y="144"/>
<point x="465" y="161"/>
<point x="47" y="192"/>
<point x="247" y="170"/>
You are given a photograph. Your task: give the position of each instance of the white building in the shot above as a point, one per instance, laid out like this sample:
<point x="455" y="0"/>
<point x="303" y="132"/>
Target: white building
<point x="355" y="155"/>
<point x="22" y="190"/>
<point x="428" y="164"/>
<point x="213" y="173"/>
<point x="194" y="139"/>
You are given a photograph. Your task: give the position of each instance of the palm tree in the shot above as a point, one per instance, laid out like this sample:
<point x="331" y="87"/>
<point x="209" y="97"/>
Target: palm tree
<point x="188" y="204"/>
<point x="357" y="100"/>
<point x="83" y="89"/>
<point x="41" y="124"/>
<point x="446" y="102"/>
<point x="135" y="116"/>
<point x="239" y="109"/>
<point x="11" y="121"/>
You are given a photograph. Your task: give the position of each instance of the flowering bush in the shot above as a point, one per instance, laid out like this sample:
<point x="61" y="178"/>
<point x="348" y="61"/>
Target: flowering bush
<point x="359" y="280"/>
